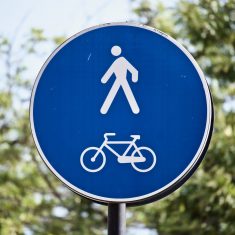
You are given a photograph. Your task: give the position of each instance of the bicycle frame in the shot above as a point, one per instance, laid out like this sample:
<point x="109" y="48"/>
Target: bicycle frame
<point x="106" y="144"/>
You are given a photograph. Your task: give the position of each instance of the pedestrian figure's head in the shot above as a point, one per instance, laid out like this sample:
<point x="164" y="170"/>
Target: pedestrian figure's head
<point x="116" y="50"/>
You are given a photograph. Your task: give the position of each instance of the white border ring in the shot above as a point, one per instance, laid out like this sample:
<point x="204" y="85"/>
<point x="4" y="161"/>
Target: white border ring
<point x="178" y="181"/>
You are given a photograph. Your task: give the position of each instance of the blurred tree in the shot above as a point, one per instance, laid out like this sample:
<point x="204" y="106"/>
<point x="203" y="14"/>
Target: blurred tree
<point x="205" y="205"/>
<point x="32" y="200"/>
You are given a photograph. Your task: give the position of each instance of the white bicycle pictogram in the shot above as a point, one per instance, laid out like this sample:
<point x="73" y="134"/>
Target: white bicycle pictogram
<point x="91" y="154"/>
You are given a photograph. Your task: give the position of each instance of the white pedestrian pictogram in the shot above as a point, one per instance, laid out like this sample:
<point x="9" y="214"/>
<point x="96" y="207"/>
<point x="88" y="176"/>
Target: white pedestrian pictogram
<point x="92" y="156"/>
<point x="120" y="67"/>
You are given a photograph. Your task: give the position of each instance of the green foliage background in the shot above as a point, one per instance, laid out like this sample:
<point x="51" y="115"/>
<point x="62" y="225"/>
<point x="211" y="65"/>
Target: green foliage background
<point x="30" y="195"/>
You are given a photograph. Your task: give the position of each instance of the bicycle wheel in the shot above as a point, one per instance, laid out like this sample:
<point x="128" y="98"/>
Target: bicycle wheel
<point x="150" y="157"/>
<point x="92" y="165"/>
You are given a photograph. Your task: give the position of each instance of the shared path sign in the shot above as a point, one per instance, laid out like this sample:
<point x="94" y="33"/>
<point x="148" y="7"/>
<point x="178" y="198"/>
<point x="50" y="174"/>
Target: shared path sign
<point x="121" y="113"/>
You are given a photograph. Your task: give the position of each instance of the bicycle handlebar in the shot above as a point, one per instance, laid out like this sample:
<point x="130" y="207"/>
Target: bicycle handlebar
<point x="108" y="134"/>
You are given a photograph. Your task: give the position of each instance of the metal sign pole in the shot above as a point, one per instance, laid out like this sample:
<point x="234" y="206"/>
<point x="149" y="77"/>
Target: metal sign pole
<point x="116" y="218"/>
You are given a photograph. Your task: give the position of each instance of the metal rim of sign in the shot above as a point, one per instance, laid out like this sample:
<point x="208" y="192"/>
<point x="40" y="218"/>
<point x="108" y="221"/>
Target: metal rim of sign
<point x="180" y="179"/>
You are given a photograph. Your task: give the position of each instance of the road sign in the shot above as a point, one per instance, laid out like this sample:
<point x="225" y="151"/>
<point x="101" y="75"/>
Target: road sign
<point x="121" y="113"/>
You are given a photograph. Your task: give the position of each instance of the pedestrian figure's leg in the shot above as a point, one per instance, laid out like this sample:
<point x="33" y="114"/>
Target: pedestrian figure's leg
<point x="108" y="101"/>
<point x="130" y="97"/>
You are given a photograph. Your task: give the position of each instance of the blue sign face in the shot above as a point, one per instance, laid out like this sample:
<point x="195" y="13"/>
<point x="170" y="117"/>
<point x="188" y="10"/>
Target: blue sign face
<point x="121" y="113"/>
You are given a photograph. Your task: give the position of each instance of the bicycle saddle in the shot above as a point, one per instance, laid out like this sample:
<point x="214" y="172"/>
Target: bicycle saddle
<point x="135" y="136"/>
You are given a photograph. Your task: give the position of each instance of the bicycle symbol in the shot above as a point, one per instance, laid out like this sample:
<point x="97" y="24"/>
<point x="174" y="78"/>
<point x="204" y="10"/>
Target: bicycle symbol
<point x="138" y="156"/>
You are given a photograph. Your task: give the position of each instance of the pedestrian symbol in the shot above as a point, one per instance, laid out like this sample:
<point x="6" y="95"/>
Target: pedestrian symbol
<point x="120" y="67"/>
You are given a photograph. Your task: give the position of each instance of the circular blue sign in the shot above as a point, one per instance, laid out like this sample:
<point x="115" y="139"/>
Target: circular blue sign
<point x="121" y="113"/>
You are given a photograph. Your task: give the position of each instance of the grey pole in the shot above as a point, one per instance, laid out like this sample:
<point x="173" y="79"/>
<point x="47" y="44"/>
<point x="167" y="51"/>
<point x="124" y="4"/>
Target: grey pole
<point x="116" y="219"/>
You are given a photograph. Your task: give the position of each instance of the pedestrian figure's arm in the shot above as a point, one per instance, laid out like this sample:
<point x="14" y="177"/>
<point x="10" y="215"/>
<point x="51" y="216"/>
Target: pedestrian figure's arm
<point x="133" y="71"/>
<point x="107" y="75"/>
